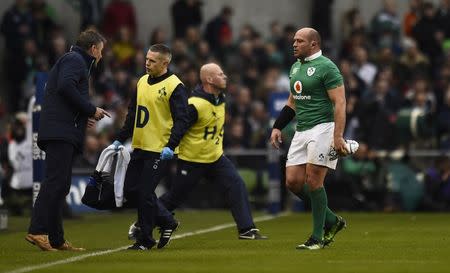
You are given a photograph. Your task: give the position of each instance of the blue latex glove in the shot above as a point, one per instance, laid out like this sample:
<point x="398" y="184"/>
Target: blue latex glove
<point x="166" y="153"/>
<point x="116" y="144"/>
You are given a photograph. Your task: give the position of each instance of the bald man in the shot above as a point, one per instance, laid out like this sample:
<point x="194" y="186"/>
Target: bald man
<point x="317" y="100"/>
<point x="201" y="153"/>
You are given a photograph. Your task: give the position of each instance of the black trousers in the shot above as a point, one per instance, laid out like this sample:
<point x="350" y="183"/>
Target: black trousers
<point x="47" y="212"/>
<point x="144" y="172"/>
<point x="222" y="172"/>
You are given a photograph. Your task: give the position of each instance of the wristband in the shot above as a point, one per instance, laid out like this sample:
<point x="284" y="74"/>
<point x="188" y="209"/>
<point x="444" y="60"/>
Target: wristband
<point x="286" y="115"/>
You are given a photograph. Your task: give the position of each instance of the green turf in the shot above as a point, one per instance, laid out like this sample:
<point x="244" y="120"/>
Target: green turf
<point x="371" y="243"/>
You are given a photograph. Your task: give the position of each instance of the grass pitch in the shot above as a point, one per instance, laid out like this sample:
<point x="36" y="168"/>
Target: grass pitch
<point x="371" y="243"/>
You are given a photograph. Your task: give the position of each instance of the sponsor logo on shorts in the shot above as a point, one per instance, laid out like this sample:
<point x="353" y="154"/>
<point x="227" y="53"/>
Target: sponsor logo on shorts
<point x="332" y="154"/>
<point x="321" y="157"/>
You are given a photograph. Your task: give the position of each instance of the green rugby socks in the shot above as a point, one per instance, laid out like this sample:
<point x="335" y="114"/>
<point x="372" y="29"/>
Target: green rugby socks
<point x="319" y="206"/>
<point x="304" y="194"/>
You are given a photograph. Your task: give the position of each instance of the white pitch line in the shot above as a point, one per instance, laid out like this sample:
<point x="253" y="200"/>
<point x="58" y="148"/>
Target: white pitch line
<point x="105" y="252"/>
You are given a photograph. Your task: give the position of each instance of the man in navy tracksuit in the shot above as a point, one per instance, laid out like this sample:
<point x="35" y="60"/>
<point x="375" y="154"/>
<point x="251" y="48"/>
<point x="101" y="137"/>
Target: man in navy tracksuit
<point x="66" y="112"/>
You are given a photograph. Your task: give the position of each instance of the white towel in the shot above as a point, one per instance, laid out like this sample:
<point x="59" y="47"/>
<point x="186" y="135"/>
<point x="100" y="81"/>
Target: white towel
<point x="119" y="175"/>
<point x="105" y="163"/>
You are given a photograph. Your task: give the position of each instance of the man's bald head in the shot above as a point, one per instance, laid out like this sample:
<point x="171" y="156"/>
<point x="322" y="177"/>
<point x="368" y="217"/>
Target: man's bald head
<point x="312" y="35"/>
<point x="307" y="41"/>
<point x="207" y="70"/>
<point x="212" y="77"/>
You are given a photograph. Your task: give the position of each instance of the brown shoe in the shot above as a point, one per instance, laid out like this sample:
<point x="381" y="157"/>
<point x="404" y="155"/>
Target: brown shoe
<point x="69" y="247"/>
<point x="41" y="241"/>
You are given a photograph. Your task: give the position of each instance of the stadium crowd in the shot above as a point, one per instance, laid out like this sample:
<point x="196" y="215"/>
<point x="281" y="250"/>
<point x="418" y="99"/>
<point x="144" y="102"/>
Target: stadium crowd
<point x="396" y="71"/>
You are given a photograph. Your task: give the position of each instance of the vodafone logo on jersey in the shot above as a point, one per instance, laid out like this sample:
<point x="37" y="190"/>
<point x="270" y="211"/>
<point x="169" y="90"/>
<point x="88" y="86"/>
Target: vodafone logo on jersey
<point x="298" y="87"/>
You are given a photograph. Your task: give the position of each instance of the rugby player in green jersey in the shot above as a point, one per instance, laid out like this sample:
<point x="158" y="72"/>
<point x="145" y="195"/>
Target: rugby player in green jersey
<point x="317" y="100"/>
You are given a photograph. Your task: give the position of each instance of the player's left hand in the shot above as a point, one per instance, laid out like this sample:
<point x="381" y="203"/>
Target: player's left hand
<point x="91" y="122"/>
<point x="166" y="153"/>
<point x="340" y="146"/>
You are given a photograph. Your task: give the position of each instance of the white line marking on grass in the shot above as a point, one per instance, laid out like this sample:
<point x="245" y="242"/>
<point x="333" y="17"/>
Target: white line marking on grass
<point x="382" y="262"/>
<point x="105" y="252"/>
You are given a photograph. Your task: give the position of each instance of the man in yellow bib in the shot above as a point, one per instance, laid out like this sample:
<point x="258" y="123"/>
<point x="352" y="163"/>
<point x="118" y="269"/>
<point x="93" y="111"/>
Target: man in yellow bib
<point x="201" y="153"/>
<point x="156" y="121"/>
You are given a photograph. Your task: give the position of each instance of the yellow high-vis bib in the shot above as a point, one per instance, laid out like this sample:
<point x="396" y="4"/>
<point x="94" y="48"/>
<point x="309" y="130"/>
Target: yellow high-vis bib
<point x="153" y="122"/>
<point x="203" y="142"/>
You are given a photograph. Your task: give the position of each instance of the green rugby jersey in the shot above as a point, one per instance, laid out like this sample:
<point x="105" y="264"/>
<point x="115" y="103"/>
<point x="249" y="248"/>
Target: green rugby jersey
<point x="309" y="82"/>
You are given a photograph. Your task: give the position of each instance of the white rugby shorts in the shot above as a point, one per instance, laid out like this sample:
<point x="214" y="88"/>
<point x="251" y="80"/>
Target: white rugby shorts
<point x="313" y="146"/>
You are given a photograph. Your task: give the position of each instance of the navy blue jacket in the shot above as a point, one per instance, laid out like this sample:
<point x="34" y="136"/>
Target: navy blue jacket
<point x="66" y="105"/>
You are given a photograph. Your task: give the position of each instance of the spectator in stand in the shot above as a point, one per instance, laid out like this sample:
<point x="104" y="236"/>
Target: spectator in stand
<point x="378" y="116"/>
<point x="190" y="78"/>
<point x="359" y="172"/>
<point x="443" y="17"/>
<point x="158" y="36"/>
<point x="285" y="47"/>
<point x="362" y="67"/>
<point x="192" y="38"/>
<point x="412" y="62"/>
<point x="218" y="31"/>
<point x="16" y="27"/>
<point x="119" y="13"/>
<point x="442" y="81"/>
<point x="21" y="161"/>
<point x="321" y="18"/>
<point x="5" y="166"/>
<point x="353" y="109"/>
<point x="90" y="13"/>
<point x="276" y="33"/>
<point x="185" y="14"/>
<point x="421" y="96"/>
<point x="58" y="46"/>
<point x="385" y="26"/>
<point x="357" y="38"/>
<point x="90" y="155"/>
<point x="352" y="23"/>
<point x="354" y="85"/>
<point x="44" y="17"/>
<point x="428" y="34"/>
<point x="31" y="64"/>
<point x="384" y="57"/>
<point x="444" y="122"/>
<point x="17" y="24"/>
<point x="258" y="125"/>
<point x="203" y="53"/>
<point x="244" y="58"/>
<point x="234" y="137"/>
<point x="437" y="186"/>
<point x="121" y="83"/>
<point x="274" y="56"/>
<point x="123" y="47"/>
<point x="137" y="68"/>
<point x="242" y="102"/>
<point x="411" y="17"/>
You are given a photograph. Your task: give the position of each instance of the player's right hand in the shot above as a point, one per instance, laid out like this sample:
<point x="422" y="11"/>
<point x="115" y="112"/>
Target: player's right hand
<point x="166" y="153"/>
<point x="275" y="138"/>
<point x="116" y="144"/>
<point x="100" y="113"/>
<point x="91" y="122"/>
